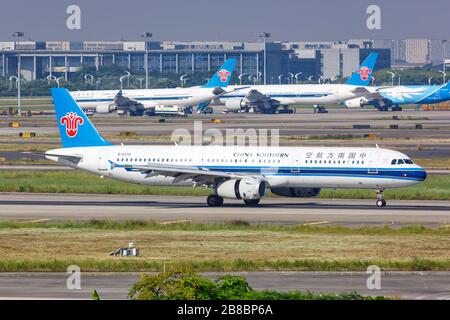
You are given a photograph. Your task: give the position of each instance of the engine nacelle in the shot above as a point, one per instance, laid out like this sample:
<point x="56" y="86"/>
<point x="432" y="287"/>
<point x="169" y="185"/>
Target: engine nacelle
<point x="235" y="104"/>
<point x="296" y="192"/>
<point x="354" y="103"/>
<point x="247" y="189"/>
<point x="105" y="108"/>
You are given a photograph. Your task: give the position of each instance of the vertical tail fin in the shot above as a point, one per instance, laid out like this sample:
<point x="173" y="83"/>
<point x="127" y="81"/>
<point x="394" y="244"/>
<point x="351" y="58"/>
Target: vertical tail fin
<point x="223" y="76"/>
<point x="75" y="129"/>
<point x="363" y="75"/>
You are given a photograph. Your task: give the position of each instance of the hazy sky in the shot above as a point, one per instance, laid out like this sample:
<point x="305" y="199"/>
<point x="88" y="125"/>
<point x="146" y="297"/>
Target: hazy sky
<point x="225" y="19"/>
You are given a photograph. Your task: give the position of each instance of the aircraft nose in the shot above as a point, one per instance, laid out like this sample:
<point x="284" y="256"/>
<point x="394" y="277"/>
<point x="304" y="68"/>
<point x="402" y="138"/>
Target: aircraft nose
<point x="421" y="174"/>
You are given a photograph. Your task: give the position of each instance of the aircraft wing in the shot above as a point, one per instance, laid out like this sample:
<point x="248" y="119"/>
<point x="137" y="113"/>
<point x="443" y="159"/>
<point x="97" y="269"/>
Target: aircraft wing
<point x="200" y="176"/>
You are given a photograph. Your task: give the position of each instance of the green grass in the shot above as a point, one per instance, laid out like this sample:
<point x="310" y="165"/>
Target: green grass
<point x="227" y="247"/>
<point x="436" y="187"/>
<point x="238" y="225"/>
<point x="148" y="265"/>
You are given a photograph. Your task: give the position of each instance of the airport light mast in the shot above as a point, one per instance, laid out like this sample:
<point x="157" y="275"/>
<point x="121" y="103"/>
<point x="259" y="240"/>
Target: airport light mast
<point x="443" y="42"/>
<point x="18" y="35"/>
<point x="240" y="78"/>
<point x="146" y="35"/>
<point x="265" y="35"/>
<point x="392" y="77"/>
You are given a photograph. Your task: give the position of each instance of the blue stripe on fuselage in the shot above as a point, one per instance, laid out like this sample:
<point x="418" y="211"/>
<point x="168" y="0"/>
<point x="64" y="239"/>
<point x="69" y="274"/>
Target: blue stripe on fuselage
<point x="415" y="174"/>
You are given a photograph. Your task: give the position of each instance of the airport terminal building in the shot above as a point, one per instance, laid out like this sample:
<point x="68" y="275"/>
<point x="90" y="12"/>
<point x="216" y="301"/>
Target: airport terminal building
<point x="41" y="59"/>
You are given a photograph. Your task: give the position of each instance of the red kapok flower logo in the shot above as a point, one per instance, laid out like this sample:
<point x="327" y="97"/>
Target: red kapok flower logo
<point x="223" y="74"/>
<point x="71" y="121"/>
<point x="364" y="73"/>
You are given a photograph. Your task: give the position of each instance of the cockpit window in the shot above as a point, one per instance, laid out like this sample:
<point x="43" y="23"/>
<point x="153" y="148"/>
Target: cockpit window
<point x="408" y="161"/>
<point x="394" y="161"/>
<point x="400" y="161"/>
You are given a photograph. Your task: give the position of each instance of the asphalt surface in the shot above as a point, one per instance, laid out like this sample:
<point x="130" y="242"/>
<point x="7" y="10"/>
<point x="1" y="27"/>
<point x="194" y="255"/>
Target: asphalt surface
<point x="37" y="207"/>
<point x="404" y="285"/>
<point x="338" y="121"/>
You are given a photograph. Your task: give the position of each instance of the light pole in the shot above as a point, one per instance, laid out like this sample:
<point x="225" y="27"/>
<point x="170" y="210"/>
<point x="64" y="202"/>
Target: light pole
<point x="310" y="78"/>
<point x="320" y="79"/>
<point x="392" y="77"/>
<point x="58" y="79"/>
<point x="291" y="75"/>
<point x="259" y="77"/>
<point x="240" y="78"/>
<point x="90" y="76"/>
<point x="279" y="78"/>
<point x="429" y="81"/>
<point x="252" y="78"/>
<point x="183" y="80"/>
<point x="443" y="74"/>
<point x="11" y="81"/>
<point x="140" y="82"/>
<point x="399" y="79"/>
<point x="265" y="35"/>
<point x="443" y="42"/>
<point x="297" y="75"/>
<point x="50" y="78"/>
<point x="123" y="77"/>
<point x="146" y="36"/>
<point x="18" y="35"/>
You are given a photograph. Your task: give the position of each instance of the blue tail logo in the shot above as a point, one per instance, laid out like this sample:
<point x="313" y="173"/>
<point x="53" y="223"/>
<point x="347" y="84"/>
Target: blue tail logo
<point x="363" y="75"/>
<point x="223" y="76"/>
<point x="75" y="129"/>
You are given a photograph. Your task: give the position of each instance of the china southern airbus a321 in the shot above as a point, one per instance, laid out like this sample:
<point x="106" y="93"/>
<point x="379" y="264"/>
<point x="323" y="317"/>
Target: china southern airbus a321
<point x="230" y="171"/>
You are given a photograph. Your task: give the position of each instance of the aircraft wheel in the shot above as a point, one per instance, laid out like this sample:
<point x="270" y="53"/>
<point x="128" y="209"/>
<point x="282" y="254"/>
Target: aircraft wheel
<point x="214" y="200"/>
<point x="381" y="203"/>
<point x="253" y="202"/>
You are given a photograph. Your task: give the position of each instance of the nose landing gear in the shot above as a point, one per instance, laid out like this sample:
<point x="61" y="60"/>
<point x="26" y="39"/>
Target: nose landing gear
<point x="380" y="198"/>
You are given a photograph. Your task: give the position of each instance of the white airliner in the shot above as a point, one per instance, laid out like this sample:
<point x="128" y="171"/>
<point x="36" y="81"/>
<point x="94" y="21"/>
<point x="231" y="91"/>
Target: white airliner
<point x="137" y="101"/>
<point x="232" y="172"/>
<point x="259" y="98"/>
<point x="268" y="98"/>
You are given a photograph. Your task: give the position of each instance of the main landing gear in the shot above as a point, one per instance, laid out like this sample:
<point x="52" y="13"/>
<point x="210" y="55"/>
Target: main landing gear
<point x="251" y="203"/>
<point x="214" y="200"/>
<point x="380" y="198"/>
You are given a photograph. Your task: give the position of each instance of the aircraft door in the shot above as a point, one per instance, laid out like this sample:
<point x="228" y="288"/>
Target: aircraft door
<point x="102" y="162"/>
<point x="295" y="165"/>
<point x="373" y="163"/>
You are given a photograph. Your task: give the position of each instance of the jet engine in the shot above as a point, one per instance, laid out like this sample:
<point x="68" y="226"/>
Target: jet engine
<point x="247" y="189"/>
<point x="105" y="108"/>
<point x="354" y="103"/>
<point x="296" y="192"/>
<point x="235" y="105"/>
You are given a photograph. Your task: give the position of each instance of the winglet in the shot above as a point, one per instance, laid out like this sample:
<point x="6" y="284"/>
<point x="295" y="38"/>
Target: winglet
<point x="363" y="75"/>
<point x="223" y="76"/>
<point x="75" y="129"/>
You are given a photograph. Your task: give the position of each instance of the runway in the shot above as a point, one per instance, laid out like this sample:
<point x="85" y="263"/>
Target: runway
<point x="34" y="206"/>
<point x="404" y="285"/>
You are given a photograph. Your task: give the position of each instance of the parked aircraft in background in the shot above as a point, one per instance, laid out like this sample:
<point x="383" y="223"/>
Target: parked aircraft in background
<point x="230" y="171"/>
<point x="137" y="101"/>
<point x="269" y="98"/>
<point x="393" y="97"/>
